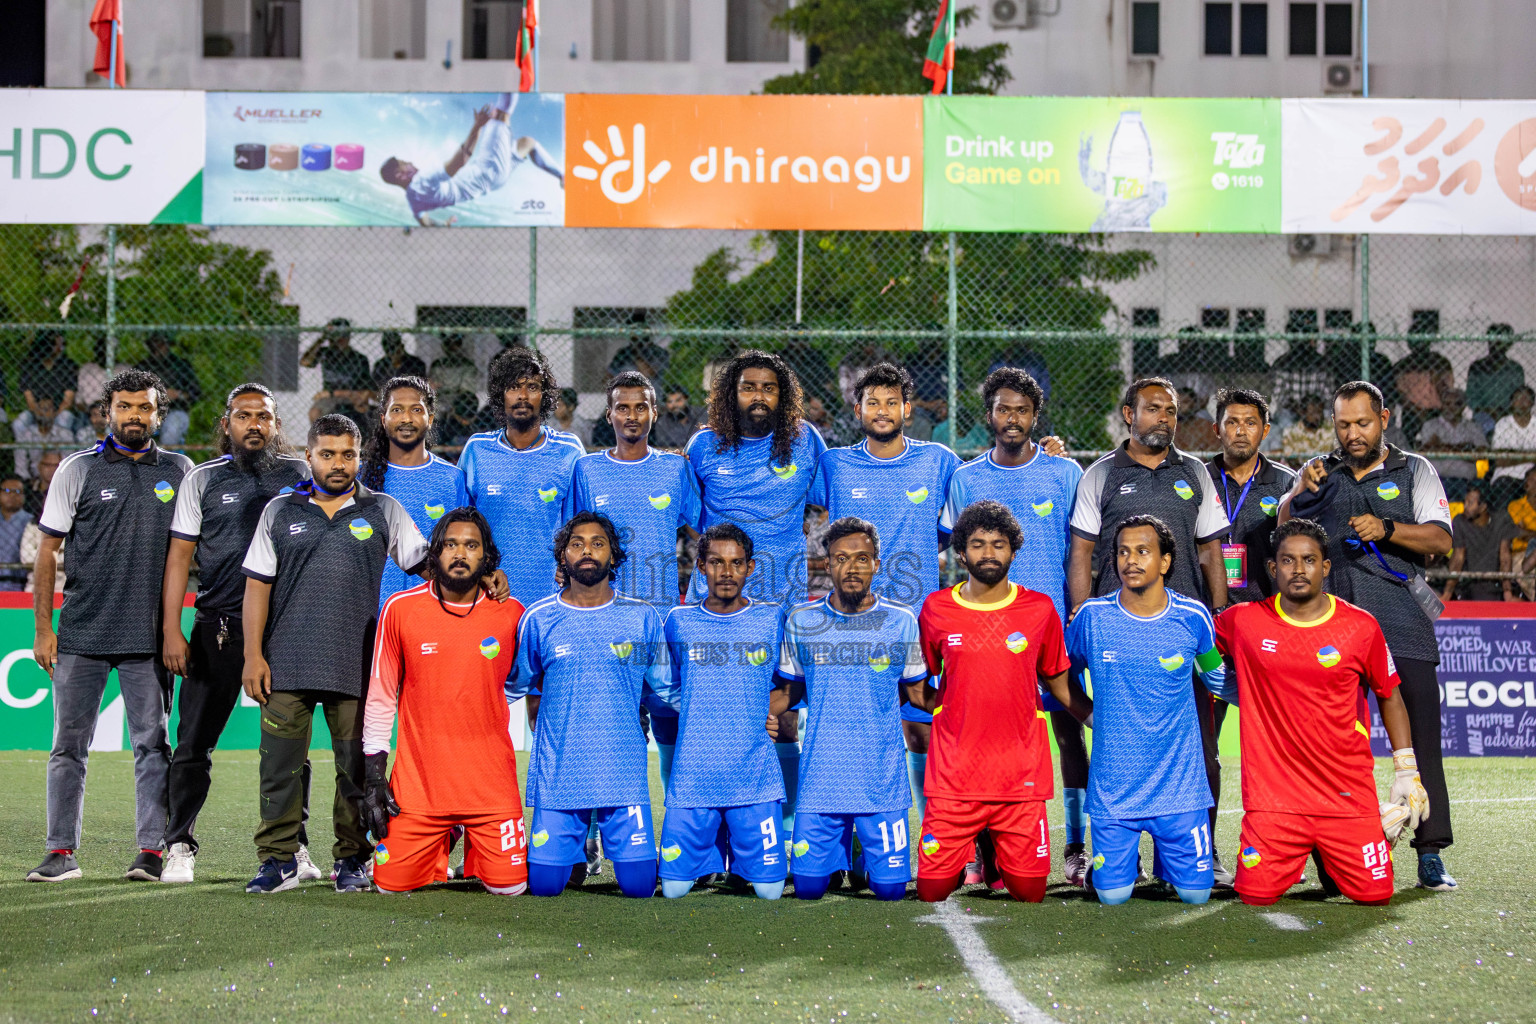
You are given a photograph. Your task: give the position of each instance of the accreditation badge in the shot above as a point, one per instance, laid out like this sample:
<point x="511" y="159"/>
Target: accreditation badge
<point x="1235" y="558"/>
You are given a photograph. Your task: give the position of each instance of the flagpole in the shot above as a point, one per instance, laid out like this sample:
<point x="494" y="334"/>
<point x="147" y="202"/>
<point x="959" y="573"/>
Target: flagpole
<point x="952" y="345"/>
<point x="532" y="318"/>
<point x="111" y="349"/>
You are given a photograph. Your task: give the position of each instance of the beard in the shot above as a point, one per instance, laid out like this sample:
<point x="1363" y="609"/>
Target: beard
<point x="131" y="433"/>
<point x="881" y="436"/>
<point x="988" y="573"/>
<point x="855" y="596"/>
<point x="1009" y="445"/>
<point x="1157" y="439"/>
<point x="258" y="461"/>
<point x="523" y="418"/>
<point x="757" y="416"/>
<point x="588" y="574"/>
<point x="444" y="573"/>
<point x="1370" y="457"/>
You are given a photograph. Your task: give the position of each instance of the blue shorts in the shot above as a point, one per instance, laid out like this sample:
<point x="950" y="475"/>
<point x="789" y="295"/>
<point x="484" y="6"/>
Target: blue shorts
<point x="560" y="837"/>
<point x="824" y="844"/>
<point x="693" y="843"/>
<point x="1183" y="844"/>
<point x="914" y="714"/>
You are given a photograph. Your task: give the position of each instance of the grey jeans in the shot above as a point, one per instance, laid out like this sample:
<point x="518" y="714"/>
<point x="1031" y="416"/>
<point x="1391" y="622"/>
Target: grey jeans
<point x="78" y="684"/>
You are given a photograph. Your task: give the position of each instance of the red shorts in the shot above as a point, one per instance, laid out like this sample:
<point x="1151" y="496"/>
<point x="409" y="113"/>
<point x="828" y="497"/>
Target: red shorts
<point x="950" y="828"/>
<point x="415" y="853"/>
<point x="1275" y="847"/>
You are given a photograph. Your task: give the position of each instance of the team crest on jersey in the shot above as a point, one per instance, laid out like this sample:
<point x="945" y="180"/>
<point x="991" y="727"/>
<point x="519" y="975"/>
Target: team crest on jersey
<point x="671" y="852"/>
<point x="802" y="848"/>
<point x="1183" y="490"/>
<point x="1250" y="857"/>
<point x="360" y="529"/>
<point x="1098" y="862"/>
<point x="1044" y="508"/>
<point x="1016" y="642"/>
<point x="622" y="650"/>
<point x="918" y="496"/>
<point x="490" y="647"/>
<point x="380" y="854"/>
<point x="548" y="496"/>
<point x="1387" y="490"/>
<point x="783" y="472"/>
<point x="659" y="501"/>
<point x="1172" y="662"/>
<point x="757" y="657"/>
<point x="164" y="491"/>
<point x="880" y="662"/>
<point x="540" y="837"/>
<point x="1269" y="505"/>
<point x="434" y="511"/>
<point x="1328" y="656"/>
<point x="930" y="844"/>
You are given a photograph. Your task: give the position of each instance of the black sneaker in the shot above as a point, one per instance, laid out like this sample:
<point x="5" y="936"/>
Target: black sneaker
<point x="56" y="867"/>
<point x="275" y="876"/>
<point x="352" y="874"/>
<point x="145" y="867"/>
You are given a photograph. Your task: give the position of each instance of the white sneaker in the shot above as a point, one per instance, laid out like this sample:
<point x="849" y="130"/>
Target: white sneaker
<point x="307" y="870"/>
<point x="179" y="860"/>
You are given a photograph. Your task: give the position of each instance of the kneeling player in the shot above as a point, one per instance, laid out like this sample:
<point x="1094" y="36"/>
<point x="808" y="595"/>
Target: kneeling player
<point x="591" y="652"/>
<point x="851" y="656"/>
<point x="722" y="654"/>
<point x="1137" y="647"/>
<point x="991" y="642"/>
<point x="1308" y="780"/>
<point x="440" y="661"/>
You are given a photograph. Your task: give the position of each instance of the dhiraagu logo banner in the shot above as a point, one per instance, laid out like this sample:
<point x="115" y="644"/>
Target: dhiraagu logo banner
<point x="1100" y="164"/>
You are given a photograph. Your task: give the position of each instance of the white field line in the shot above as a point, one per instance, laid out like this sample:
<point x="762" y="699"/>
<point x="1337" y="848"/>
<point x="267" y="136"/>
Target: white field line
<point x="1454" y="803"/>
<point x="988" y="971"/>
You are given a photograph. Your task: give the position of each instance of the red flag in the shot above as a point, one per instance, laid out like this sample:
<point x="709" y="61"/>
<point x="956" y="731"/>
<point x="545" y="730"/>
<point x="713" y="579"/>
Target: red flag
<point x="106" y="19"/>
<point x="940" y="61"/>
<point x="523" y="53"/>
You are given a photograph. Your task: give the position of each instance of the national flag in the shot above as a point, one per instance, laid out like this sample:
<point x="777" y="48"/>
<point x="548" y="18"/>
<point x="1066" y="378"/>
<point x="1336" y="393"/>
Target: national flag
<point x="940" y="61"/>
<point x="523" y="53"/>
<point x="106" y="20"/>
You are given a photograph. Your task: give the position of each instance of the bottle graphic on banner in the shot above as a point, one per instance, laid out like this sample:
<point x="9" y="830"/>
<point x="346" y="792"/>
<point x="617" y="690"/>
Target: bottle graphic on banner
<point x="1131" y="196"/>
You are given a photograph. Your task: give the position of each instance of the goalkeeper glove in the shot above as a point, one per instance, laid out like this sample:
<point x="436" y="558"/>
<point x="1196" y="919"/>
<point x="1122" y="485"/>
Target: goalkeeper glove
<point x="1407" y="790"/>
<point x="378" y="802"/>
<point x="1393" y="818"/>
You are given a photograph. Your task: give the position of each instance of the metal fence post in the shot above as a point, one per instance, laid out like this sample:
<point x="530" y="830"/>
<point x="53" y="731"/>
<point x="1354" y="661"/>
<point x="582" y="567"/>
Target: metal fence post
<point x="799" y="274"/>
<point x="1367" y="334"/>
<point x="532" y="318"/>
<point x="111" y="355"/>
<point x="951" y="344"/>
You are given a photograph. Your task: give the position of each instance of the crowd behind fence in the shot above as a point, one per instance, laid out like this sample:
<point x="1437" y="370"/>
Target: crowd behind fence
<point x="323" y="315"/>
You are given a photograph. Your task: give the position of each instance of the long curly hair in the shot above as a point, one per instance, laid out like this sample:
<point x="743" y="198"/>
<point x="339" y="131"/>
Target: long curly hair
<point x="725" y="416"/>
<point x="515" y="364"/>
<point x="376" y="449"/>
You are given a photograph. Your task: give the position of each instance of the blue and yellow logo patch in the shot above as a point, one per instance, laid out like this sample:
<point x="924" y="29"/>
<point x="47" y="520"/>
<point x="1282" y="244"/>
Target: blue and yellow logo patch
<point x="1183" y="490"/>
<point x="757" y="657"/>
<point x="1044" y="508"/>
<point x="930" y="844"/>
<point x="490" y="647"/>
<point x="380" y="854"/>
<point x="164" y="491"/>
<point x="1172" y="662"/>
<point x="360" y="529"/>
<point x="1387" y="491"/>
<point x="549" y="495"/>
<point x="802" y="848"/>
<point x="671" y="852"/>
<point x="540" y="837"/>
<point x="1016" y="642"/>
<point x="659" y="501"/>
<point x="622" y="649"/>
<point x="1250" y="857"/>
<point x="1098" y="862"/>
<point x="918" y="496"/>
<point x="785" y="472"/>
<point x="1269" y="505"/>
<point x="880" y="662"/>
<point x="434" y="511"/>
<point x="1328" y="656"/>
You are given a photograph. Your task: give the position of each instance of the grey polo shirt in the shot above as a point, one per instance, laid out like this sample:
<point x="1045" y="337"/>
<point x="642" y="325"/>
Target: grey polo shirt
<point x="218" y="508"/>
<point x="325" y="575"/>
<point x="116" y="515"/>
<point x="1178" y="492"/>
<point x="1254" y="520"/>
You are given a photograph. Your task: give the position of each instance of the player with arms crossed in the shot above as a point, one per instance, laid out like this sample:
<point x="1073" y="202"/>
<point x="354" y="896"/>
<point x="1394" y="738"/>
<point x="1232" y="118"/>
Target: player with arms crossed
<point x="441" y="662"/>
<point x="1308" y="774"/>
<point x="592" y="653"/>
<point x="722" y="654"/>
<point x="1137" y="647"/>
<point x="852" y="656"/>
<point x="993" y="644"/>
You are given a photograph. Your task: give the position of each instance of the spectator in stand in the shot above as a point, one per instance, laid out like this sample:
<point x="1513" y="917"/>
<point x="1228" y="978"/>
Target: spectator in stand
<point x="1197" y="429"/>
<point x="676" y="423"/>
<point x="1196" y="363"/>
<point x="810" y="366"/>
<point x="181" y="387"/>
<point x="644" y="356"/>
<point x="37" y="486"/>
<point x="1299" y="372"/>
<point x="1516" y="432"/>
<point x="1480" y="542"/>
<point x="31" y="539"/>
<point x="852" y="368"/>
<point x="1420" y="377"/>
<point x="1493" y="379"/>
<point x="94" y="430"/>
<point x="1343" y="357"/>
<point x="13" y="524"/>
<point x="1454" y="429"/>
<point x="42" y="423"/>
<point x="837" y="430"/>
<point x="460" y="423"/>
<point x="1522" y="513"/>
<point x="565" y="419"/>
<point x="1312" y="434"/>
<point x="454" y="372"/>
<point x="818" y="581"/>
<point x="396" y="361"/>
<point x="49" y="373"/>
<point x="346" y="378"/>
<point x="1019" y="354"/>
<point x="93" y="375"/>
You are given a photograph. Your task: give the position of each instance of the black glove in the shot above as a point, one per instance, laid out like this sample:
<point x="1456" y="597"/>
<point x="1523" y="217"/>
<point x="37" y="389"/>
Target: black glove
<point x="378" y="802"/>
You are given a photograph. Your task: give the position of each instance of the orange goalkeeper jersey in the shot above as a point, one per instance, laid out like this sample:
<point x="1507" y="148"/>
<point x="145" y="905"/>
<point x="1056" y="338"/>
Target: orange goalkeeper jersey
<point x="443" y="669"/>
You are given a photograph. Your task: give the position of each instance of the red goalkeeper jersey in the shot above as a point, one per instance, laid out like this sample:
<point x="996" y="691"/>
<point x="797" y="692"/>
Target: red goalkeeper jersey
<point x="444" y="670"/>
<point x="989" y="738"/>
<point x="1306" y="749"/>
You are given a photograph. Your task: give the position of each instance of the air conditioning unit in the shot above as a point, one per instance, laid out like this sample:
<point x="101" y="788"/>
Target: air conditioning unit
<point x="1011" y="13"/>
<point x="1309" y="246"/>
<point x="1341" y="77"/>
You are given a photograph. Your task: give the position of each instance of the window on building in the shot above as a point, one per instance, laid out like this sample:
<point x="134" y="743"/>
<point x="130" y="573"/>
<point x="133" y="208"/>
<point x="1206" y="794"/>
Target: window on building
<point x="491" y="28"/>
<point x="1253" y="30"/>
<point x="1424" y="321"/>
<point x="1250" y="321"/>
<point x="655" y="30"/>
<point x="1338" y="320"/>
<point x="1145" y="18"/>
<point x="1301" y="321"/>
<point x="1215" y="319"/>
<point x="1146" y="317"/>
<point x="1218" y="30"/>
<point x="392" y="29"/>
<point x="251" y="28"/>
<point x="1303" y="30"/>
<point x="1339" y="30"/>
<point x="750" y="32"/>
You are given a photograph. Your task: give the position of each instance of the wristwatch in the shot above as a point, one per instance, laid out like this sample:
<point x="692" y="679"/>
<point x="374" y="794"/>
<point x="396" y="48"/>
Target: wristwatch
<point x="1387" y="526"/>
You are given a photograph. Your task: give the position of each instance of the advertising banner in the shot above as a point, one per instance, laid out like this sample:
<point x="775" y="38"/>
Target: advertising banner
<point x="1440" y="167"/>
<point x="1101" y="164"/>
<point x="98" y="156"/>
<point x="755" y="162"/>
<point x="345" y="159"/>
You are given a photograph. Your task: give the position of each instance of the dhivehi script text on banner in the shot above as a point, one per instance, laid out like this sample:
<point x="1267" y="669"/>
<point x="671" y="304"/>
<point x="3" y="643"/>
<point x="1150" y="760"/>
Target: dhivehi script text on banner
<point x="100" y="156"/>
<point x="1431" y="167"/>
<point x="1101" y="164"/>
<point x="757" y="162"/>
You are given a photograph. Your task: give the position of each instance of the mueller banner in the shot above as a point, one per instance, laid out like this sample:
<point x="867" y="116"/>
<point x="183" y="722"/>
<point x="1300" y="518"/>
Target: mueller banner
<point x="1418" y="167"/>
<point x="1106" y="164"/>
<point x="414" y="159"/>
<point x="99" y="156"/>
<point x="754" y="162"/>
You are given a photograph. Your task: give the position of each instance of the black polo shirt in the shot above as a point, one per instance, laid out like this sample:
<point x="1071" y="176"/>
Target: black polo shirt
<point x="325" y="575"/>
<point x="1254" y="520"/>
<point x="1405" y="489"/>
<point x="1178" y="492"/>
<point x="115" y="515"/>
<point x="218" y="508"/>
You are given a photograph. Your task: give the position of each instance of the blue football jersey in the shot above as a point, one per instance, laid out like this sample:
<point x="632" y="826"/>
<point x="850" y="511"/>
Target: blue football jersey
<point x="591" y="666"/>
<point x="526" y="497"/>
<point x="647" y="501"/>
<point x="426" y="492"/>
<point x="724" y="666"/>
<point x="1147" y="754"/>
<point x="1039" y="494"/>
<point x="852" y="758"/>
<point x="904" y="498"/>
